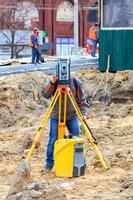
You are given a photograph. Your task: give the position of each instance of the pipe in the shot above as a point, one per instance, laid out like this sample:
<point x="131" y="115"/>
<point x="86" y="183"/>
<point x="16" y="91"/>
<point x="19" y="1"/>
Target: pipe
<point x="76" y="27"/>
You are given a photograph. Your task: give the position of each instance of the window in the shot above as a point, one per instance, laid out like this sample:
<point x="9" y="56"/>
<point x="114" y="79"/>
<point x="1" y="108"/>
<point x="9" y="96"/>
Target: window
<point x="64" y="46"/>
<point x="117" y="14"/>
<point x="26" y="12"/>
<point x="65" y="12"/>
<point x="93" y="13"/>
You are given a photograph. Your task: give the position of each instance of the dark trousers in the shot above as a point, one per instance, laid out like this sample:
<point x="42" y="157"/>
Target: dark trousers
<point x="35" y="55"/>
<point x="94" y="42"/>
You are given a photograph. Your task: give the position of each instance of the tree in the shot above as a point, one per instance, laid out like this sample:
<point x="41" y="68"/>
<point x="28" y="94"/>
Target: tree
<point x="12" y="18"/>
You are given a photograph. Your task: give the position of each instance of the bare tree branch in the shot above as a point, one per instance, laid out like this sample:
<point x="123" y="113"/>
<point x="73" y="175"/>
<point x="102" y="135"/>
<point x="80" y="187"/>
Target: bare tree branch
<point x="6" y="36"/>
<point x="12" y="16"/>
<point x="18" y="51"/>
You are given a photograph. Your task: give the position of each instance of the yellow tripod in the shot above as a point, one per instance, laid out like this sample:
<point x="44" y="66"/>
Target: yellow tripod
<point x="65" y="92"/>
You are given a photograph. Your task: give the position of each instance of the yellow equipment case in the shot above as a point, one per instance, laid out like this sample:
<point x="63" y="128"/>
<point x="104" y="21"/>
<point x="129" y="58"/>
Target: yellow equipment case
<point x="69" y="157"/>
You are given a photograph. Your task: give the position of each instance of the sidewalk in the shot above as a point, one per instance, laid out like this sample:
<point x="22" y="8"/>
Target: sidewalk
<point x="49" y="66"/>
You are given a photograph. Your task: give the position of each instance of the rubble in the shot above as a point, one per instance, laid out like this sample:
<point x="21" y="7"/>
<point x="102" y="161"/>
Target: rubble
<point x="45" y="190"/>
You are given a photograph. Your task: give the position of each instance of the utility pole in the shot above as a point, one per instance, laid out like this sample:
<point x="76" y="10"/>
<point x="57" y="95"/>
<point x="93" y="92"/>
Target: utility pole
<point x="99" y="13"/>
<point x="76" y="27"/>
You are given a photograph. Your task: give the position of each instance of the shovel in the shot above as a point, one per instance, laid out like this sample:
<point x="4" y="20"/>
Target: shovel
<point x="105" y="99"/>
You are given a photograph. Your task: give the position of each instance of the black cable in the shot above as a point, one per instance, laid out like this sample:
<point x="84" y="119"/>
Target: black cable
<point x="95" y="140"/>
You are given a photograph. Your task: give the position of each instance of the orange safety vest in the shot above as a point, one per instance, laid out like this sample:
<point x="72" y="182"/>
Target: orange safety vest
<point x="92" y="34"/>
<point x="31" y="44"/>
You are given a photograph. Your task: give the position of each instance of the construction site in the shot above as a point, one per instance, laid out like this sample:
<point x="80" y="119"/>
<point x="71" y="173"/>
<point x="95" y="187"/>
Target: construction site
<point x="111" y="122"/>
<point x="66" y="100"/>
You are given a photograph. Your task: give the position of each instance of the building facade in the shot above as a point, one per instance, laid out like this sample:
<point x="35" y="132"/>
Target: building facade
<point x="56" y="18"/>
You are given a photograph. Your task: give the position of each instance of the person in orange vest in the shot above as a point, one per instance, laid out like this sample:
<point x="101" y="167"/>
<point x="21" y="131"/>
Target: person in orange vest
<point x="34" y="44"/>
<point x="94" y="37"/>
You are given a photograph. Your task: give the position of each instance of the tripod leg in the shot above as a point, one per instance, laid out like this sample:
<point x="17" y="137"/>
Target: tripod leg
<point x="62" y="119"/>
<point x="43" y="124"/>
<point x="75" y="105"/>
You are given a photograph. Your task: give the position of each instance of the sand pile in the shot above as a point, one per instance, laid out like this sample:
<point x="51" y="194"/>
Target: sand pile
<point x="19" y="100"/>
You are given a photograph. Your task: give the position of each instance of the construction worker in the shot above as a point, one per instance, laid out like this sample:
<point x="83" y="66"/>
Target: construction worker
<point x="72" y="122"/>
<point x="34" y="44"/>
<point x="93" y="35"/>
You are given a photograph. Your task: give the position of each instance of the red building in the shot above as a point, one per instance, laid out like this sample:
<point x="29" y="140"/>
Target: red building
<point x="55" y="17"/>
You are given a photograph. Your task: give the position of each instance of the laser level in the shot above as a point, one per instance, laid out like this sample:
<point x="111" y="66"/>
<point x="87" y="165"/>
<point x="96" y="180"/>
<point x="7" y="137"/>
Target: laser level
<point x="63" y="71"/>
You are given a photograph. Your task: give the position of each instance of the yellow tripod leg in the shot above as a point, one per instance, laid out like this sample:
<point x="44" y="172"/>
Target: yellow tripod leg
<point x="62" y="119"/>
<point x="43" y="124"/>
<point x="74" y="103"/>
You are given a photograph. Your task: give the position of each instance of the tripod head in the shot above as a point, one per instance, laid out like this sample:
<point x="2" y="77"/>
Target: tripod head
<point x="63" y="71"/>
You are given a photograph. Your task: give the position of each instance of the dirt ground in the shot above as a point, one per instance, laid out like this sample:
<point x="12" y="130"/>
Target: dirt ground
<point x="21" y="112"/>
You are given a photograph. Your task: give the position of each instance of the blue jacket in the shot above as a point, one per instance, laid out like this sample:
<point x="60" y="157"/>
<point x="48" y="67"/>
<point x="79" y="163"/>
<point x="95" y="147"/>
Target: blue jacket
<point x="33" y="40"/>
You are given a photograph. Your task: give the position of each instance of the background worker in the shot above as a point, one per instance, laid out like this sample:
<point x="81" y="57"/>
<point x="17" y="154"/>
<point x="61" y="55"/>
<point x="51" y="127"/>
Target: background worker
<point x="72" y="122"/>
<point x="94" y="38"/>
<point x="34" y="44"/>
